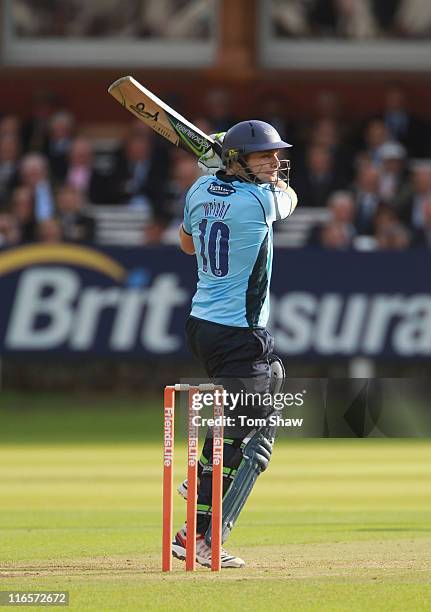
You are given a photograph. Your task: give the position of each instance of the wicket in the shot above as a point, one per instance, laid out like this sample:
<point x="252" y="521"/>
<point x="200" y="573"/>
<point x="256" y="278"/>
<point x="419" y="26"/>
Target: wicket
<point x="192" y="477"/>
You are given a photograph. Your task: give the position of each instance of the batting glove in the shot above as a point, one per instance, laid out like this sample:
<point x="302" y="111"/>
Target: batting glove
<point x="210" y="162"/>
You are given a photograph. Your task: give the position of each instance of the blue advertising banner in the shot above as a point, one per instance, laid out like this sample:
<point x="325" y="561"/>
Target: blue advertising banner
<point x="69" y="300"/>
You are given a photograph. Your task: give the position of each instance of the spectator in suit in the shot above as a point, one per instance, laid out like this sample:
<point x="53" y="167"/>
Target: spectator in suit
<point x="411" y="205"/>
<point x="392" y="173"/>
<point x="327" y="129"/>
<point x="376" y="135"/>
<point x="422" y="236"/>
<point x="49" y="231"/>
<point x="76" y="224"/>
<point x="334" y="235"/>
<point x="93" y="180"/>
<point x="9" y="167"/>
<point x="22" y="209"/>
<point x="328" y="133"/>
<point x="9" y="230"/>
<point x="34" y="176"/>
<point x="80" y="165"/>
<point x="35" y="129"/>
<point x="318" y="178"/>
<point x="367" y="197"/>
<point x="10" y="127"/>
<point x="139" y="180"/>
<point x="384" y="217"/>
<point x="395" y="237"/>
<point x="184" y="172"/>
<point x="341" y="207"/>
<point x="60" y="137"/>
<point x="402" y="125"/>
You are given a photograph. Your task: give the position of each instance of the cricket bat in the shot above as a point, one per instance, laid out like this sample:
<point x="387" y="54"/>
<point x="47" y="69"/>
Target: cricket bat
<point x="161" y="118"/>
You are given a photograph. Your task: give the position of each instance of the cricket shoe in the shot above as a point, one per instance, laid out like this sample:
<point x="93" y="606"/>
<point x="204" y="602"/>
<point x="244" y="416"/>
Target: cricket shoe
<point x="203" y="555"/>
<point x="203" y="551"/>
<point x="183" y="488"/>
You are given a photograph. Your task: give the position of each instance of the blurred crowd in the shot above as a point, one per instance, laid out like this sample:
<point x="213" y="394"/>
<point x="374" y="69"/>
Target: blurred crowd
<point x="173" y="19"/>
<point x="373" y="177"/>
<point x="178" y="19"/>
<point x="351" y="19"/>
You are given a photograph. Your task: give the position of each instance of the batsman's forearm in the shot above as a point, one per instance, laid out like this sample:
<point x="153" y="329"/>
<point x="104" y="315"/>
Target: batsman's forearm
<point x="186" y="242"/>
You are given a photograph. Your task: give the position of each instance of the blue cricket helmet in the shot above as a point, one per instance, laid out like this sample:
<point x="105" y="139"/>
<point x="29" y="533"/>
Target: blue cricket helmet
<point x="249" y="137"/>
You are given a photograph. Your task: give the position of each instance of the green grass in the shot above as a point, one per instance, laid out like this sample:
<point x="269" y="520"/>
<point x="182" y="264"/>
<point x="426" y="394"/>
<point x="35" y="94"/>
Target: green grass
<point x="334" y="525"/>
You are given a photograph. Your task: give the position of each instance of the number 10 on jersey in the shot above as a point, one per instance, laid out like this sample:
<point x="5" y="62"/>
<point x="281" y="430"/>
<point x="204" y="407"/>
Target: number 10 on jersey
<point x="214" y="246"/>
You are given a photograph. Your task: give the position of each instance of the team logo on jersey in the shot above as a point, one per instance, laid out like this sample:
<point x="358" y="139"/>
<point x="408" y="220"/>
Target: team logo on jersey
<point x="220" y="190"/>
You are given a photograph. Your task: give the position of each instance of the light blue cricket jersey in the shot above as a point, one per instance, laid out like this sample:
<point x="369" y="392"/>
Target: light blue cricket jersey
<point x="231" y="224"/>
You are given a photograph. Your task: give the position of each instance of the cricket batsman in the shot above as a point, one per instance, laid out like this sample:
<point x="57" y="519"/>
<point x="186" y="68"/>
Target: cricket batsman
<point x="228" y="219"/>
